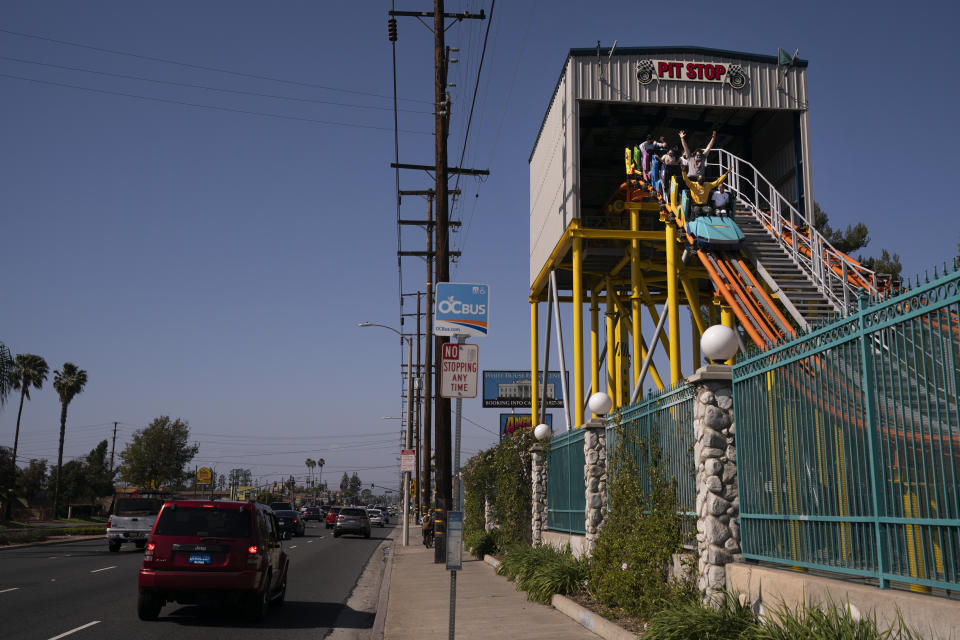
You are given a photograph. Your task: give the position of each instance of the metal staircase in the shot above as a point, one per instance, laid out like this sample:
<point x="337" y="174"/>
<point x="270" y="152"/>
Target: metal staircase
<point x="813" y="280"/>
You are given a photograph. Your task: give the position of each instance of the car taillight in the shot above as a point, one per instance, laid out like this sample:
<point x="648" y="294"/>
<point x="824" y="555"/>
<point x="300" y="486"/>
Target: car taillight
<point x="364" y="518"/>
<point x="148" y="554"/>
<point x="340" y="518"/>
<point x="252" y="549"/>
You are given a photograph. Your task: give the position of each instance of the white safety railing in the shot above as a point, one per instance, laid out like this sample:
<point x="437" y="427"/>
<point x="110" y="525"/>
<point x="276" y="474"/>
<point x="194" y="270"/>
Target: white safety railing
<point x="836" y="275"/>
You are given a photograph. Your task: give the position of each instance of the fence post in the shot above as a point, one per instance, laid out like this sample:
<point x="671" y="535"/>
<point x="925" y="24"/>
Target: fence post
<point x="538" y="494"/>
<point x="594" y="479"/>
<point x="715" y="461"/>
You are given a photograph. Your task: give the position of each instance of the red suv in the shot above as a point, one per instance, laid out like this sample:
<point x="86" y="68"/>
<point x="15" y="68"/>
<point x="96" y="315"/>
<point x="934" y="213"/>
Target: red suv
<point x="331" y="520"/>
<point x="207" y="551"/>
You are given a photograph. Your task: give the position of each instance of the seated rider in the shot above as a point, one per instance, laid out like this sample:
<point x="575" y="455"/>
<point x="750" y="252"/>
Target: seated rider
<point x="720" y="199"/>
<point x="700" y="193"/>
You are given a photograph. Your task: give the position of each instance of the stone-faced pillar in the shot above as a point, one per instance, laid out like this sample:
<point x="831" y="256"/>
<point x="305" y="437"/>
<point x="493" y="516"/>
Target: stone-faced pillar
<point x="538" y="476"/>
<point x="594" y="479"/>
<point x="715" y="457"/>
<point x="488" y="523"/>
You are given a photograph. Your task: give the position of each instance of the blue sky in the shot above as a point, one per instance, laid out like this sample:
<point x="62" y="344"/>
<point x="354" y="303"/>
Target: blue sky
<point x="207" y="253"/>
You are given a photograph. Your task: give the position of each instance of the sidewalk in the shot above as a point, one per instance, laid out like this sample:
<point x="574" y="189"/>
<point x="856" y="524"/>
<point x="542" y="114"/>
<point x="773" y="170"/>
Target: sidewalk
<point x="487" y="605"/>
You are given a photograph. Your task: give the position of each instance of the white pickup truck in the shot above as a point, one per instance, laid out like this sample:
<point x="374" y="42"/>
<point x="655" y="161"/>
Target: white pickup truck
<point x="131" y="521"/>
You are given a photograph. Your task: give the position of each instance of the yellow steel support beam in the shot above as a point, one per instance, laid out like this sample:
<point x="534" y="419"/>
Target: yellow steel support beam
<point x="577" y="332"/>
<point x="654" y="374"/>
<point x="727" y="320"/>
<point x="635" y="297"/>
<point x="618" y="361"/>
<point x="611" y="349"/>
<point x="616" y="234"/>
<point x="534" y="363"/>
<point x="595" y="340"/>
<point x="673" y="302"/>
<point x="647" y="205"/>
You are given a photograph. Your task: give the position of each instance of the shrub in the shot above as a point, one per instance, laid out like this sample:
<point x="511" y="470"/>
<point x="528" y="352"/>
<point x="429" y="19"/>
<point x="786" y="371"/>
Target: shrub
<point x="830" y="620"/>
<point x="690" y="619"/>
<point x="543" y="571"/>
<point x="481" y="543"/>
<point x="502" y="476"/>
<point x="630" y="566"/>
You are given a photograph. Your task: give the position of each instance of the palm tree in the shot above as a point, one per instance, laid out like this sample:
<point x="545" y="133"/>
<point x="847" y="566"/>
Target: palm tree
<point x="309" y="462"/>
<point x="6" y="365"/>
<point x="320" y="463"/>
<point x="68" y="383"/>
<point x="28" y="371"/>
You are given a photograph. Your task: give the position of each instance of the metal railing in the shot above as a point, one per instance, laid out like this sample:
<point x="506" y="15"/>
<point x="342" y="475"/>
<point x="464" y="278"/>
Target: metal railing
<point x="840" y="278"/>
<point x="566" y="498"/>
<point x="849" y="443"/>
<point x="664" y="420"/>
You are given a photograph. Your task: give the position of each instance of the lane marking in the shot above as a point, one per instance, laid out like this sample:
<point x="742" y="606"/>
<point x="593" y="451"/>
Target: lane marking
<point x="10" y="589"/>
<point x="309" y="541"/>
<point x="292" y="547"/>
<point x="80" y="628"/>
<point x="104" y="569"/>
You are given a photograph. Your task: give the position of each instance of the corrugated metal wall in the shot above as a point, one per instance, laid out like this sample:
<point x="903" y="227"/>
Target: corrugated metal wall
<point x="553" y="175"/>
<point x="620" y="84"/>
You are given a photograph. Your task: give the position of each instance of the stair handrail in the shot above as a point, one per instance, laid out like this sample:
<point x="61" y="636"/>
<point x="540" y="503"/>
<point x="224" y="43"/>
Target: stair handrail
<point x="770" y="207"/>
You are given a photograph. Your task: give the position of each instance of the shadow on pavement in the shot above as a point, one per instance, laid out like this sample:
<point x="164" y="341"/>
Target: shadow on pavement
<point x="292" y="615"/>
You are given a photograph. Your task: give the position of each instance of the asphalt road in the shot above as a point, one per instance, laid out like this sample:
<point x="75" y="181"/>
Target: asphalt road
<point x="80" y="590"/>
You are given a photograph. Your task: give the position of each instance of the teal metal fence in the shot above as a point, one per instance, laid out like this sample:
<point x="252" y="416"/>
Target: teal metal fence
<point x="566" y="500"/>
<point x="666" y="421"/>
<point x="848" y="443"/>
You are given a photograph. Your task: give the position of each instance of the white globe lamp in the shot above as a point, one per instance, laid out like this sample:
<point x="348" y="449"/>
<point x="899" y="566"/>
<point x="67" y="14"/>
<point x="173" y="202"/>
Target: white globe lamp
<point x="600" y="403"/>
<point x="719" y="343"/>
<point x="542" y="431"/>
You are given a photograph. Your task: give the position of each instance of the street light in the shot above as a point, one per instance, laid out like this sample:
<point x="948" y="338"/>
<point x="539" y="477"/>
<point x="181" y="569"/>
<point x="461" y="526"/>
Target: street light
<point x="409" y="433"/>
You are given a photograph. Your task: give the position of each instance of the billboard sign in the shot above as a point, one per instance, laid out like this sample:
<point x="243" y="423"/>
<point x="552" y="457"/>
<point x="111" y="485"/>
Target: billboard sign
<point x="458" y="370"/>
<point x="512" y="389"/>
<point x="204" y="475"/>
<point x="461" y="309"/>
<point x="511" y="423"/>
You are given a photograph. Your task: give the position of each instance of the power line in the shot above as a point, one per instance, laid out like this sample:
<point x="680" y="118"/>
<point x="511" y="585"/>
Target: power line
<point x="210" y="107"/>
<point x="203" y="67"/>
<point x="205" y="87"/>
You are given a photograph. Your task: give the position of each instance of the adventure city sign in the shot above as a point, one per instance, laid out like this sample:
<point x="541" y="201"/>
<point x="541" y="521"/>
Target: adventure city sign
<point x="650" y="70"/>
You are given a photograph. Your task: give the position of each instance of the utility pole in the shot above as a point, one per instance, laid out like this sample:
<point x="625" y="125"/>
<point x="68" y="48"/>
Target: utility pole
<point x="442" y="258"/>
<point x="113" y="446"/>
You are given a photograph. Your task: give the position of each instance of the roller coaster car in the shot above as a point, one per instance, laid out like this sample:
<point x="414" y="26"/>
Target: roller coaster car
<point x="715" y="232"/>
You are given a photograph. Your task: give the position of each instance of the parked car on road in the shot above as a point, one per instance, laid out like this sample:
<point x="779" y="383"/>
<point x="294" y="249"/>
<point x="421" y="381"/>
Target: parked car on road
<point x="212" y="551"/>
<point x="331" y="518"/>
<point x="352" y="520"/>
<point x="290" y="522"/>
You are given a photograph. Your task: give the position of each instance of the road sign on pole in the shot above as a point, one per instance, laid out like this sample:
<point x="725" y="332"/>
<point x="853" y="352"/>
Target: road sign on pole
<point x="408" y="460"/>
<point x="459" y="371"/>
<point x="462" y="309"/>
<point x="204" y="475"/>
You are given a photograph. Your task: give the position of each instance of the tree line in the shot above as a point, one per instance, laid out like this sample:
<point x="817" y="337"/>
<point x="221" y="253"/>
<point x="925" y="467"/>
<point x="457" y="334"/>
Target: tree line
<point x="156" y="457"/>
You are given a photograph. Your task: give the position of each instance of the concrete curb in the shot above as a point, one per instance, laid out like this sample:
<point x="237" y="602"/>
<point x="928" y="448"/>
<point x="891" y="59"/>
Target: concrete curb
<point x="583" y="616"/>
<point x="54" y="540"/>
<point x="380" y="617"/>
<point x="590" y="620"/>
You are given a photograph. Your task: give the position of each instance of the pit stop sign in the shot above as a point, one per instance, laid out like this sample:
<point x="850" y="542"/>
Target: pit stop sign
<point x="458" y="371"/>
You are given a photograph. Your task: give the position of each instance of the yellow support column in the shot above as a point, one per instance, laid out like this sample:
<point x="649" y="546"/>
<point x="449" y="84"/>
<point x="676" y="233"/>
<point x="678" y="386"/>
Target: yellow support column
<point x="577" y="332"/>
<point x="726" y="319"/>
<point x="534" y="363"/>
<point x="637" y="351"/>
<point x="611" y="350"/>
<point x="673" y="303"/>
<point x="695" y="332"/>
<point x="595" y="341"/>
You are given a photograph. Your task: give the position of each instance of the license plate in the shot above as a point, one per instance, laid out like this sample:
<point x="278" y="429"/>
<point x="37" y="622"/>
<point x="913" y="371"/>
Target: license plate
<point x="199" y="558"/>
